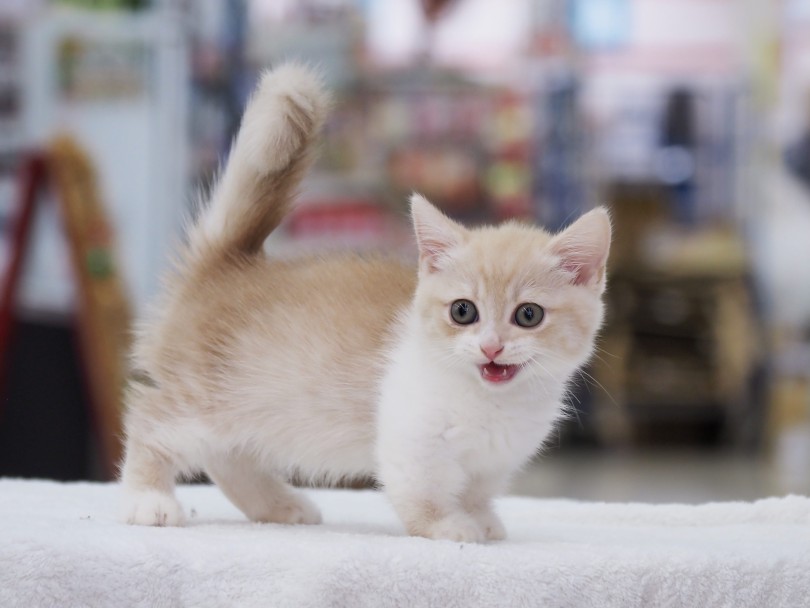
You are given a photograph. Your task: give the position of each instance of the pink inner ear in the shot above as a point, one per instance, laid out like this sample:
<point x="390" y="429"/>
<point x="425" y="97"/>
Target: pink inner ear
<point x="431" y="254"/>
<point x="432" y="250"/>
<point x="583" y="247"/>
<point x="436" y="234"/>
<point x="583" y="269"/>
<point x="433" y="246"/>
<point x="586" y="261"/>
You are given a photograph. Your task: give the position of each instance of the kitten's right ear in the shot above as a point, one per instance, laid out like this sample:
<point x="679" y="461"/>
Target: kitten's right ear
<point x="583" y="248"/>
<point x="436" y="234"/>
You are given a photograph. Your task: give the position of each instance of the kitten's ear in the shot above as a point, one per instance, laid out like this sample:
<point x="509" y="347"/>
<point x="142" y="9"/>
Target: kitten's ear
<point x="436" y="234"/>
<point x="583" y="248"/>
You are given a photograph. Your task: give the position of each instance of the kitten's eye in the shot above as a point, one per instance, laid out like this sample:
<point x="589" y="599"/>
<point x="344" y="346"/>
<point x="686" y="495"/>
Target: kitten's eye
<point x="529" y="315"/>
<point x="463" y="312"/>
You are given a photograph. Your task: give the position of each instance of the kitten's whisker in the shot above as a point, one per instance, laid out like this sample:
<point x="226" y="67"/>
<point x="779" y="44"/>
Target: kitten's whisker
<point x="570" y="393"/>
<point x="602" y="360"/>
<point x="533" y="360"/>
<point x="599" y="348"/>
<point x="534" y="376"/>
<point x="570" y="407"/>
<point x="585" y="375"/>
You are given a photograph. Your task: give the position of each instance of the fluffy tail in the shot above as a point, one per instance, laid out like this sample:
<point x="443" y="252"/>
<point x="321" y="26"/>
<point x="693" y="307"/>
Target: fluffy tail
<point x="267" y="161"/>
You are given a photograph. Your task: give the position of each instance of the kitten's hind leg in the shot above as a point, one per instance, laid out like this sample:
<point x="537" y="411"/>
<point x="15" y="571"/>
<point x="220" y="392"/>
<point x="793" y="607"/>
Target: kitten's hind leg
<point x="261" y="495"/>
<point x="147" y="478"/>
<point x="150" y="467"/>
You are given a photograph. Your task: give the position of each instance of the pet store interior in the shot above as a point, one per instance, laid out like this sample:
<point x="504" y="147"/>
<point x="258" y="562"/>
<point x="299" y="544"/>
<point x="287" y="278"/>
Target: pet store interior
<point x="688" y="119"/>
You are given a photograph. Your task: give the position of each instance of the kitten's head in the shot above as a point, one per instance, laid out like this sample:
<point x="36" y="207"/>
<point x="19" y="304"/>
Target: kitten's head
<point x="510" y="304"/>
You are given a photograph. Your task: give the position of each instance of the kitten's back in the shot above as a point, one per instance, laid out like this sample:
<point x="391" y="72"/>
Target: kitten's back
<point x="295" y="346"/>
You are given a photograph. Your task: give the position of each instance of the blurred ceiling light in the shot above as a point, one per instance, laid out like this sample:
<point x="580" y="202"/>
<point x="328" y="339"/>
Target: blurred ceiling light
<point x="469" y="34"/>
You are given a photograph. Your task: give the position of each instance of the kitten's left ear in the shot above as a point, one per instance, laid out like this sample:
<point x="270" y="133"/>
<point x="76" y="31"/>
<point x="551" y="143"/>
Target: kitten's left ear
<point x="583" y="248"/>
<point x="436" y="234"/>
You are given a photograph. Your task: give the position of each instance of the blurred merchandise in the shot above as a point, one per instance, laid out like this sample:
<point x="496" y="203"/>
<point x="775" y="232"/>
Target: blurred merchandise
<point x="356" y="224"/>
<point x="562" y="161"/>
<point x="219" y="82"/>
<point x="685" y="333"/>
<point x="789" y="420"/>
<point x="463" y="145"/>
<point x="105" y="5"/>
<point x="101" y="69"/>
<point x="797" y="150"/>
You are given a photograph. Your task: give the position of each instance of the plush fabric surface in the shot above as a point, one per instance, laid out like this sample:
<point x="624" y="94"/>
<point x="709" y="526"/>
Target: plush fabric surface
<point x="60" y="545"/>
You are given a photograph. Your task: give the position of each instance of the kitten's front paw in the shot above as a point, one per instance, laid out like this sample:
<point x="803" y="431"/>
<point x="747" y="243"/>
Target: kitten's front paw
<point x="491" y="524"/>
<point x="152" y="508"/>
<point x="458" y="527"/>
<point x="293" y="509"/>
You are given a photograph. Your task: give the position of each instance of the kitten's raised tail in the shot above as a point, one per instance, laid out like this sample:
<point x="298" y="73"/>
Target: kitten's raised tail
<point x="267" y="161"/>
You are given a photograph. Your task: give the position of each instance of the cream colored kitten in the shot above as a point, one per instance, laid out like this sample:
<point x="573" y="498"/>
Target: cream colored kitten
<point x="439" y="383"/>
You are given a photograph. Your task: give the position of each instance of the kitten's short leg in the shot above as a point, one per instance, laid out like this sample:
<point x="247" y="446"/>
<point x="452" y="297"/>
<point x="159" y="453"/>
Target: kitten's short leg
<point x="427" y="502"/>
<point x="150" y="467"/>
<point x="260" y="495"/>
<point x="147" y="479"/>
<point x="477" y="501"/>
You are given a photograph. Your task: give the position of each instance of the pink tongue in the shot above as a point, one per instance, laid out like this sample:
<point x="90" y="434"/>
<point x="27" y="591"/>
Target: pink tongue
<point x="498" y="373"/>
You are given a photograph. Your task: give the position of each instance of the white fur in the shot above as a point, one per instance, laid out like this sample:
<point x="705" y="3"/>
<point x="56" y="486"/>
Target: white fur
<point x="152" y="508"/>
<point x="443" y="433"/>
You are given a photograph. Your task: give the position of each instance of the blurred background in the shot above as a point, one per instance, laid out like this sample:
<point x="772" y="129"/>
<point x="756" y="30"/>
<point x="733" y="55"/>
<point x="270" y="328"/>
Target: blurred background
<point x="690" y="119"/>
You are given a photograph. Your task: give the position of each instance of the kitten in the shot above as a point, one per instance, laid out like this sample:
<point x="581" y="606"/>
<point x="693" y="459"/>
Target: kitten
<point x="439" y="382"/>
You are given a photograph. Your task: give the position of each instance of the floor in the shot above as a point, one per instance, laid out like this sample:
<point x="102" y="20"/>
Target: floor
<point x="670" y="476"/>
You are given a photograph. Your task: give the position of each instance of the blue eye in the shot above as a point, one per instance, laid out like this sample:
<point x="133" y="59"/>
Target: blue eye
<point x="463" y="312"/>
<point x="529" y="314"/>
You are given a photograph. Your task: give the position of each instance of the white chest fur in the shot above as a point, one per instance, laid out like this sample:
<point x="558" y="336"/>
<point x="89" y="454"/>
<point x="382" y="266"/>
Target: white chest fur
<point x="440" y="414"/>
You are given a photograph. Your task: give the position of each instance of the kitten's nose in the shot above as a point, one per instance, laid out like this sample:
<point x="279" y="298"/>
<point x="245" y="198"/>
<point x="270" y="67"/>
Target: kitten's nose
<point x="491" y="351"/>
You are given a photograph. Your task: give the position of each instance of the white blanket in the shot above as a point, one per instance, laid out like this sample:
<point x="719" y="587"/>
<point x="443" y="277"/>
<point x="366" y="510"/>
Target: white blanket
<point x="60" y="545"/>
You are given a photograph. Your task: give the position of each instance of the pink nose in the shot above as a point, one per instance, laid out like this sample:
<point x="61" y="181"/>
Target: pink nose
<point x="492" y="351"/>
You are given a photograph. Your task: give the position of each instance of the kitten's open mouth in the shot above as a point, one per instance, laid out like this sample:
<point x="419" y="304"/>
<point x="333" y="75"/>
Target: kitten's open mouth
<point x="493" y="372"/>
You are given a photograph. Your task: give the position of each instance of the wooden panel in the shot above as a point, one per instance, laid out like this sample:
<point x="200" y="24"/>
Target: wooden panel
<point x="103" y="312"/>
